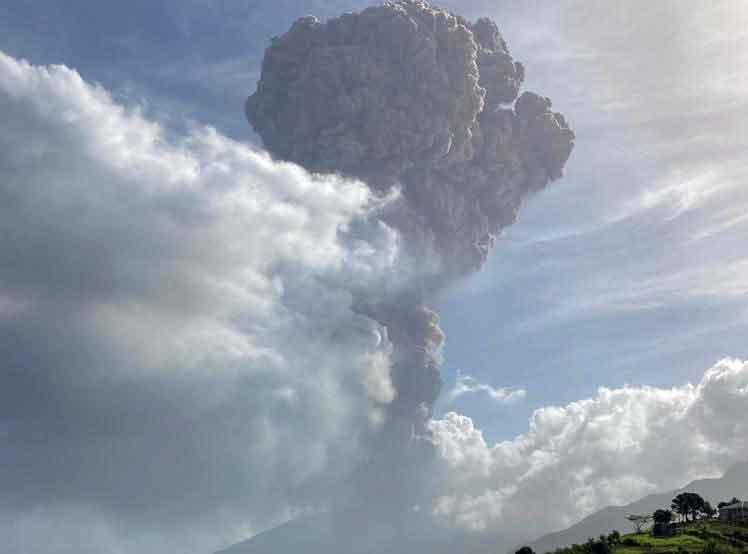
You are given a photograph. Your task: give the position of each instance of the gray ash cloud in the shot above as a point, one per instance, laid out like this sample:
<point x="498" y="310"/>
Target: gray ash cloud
<point x="409" y="95"/>
<point x="406" y="95"/>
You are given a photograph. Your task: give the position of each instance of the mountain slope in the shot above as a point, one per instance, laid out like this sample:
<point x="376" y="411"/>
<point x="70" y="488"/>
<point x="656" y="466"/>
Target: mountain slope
<point x="733" y="483"/>
<point x="317" y="534"/>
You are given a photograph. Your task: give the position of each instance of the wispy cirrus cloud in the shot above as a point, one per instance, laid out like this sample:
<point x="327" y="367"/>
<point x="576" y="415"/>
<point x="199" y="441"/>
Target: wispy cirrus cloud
<point x="467" y="385"/>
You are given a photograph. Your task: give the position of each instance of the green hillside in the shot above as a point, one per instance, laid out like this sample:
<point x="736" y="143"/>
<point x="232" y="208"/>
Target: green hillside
<point x="709" y="537"/>
<point x="700" y="537"/>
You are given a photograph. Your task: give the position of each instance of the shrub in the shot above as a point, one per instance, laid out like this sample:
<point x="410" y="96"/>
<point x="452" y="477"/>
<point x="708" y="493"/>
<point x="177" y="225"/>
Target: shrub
<point x="614" y="538"/>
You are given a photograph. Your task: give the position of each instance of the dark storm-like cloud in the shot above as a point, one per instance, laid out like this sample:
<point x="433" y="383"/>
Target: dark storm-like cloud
<point x="409" y="95"/>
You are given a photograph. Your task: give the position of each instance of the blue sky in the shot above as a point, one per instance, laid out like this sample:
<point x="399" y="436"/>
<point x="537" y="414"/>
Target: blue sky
<point x="628" y="270"/>
<point x="193" y="59"/>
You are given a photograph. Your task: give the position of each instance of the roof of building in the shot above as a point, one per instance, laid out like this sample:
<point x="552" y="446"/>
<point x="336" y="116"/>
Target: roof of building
<point x="736" y="506"/>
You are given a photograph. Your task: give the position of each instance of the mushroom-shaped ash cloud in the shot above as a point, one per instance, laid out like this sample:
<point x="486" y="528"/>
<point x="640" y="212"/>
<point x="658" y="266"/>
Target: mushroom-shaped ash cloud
<point x="406" y="94"/>
<point x="409" y="96"/>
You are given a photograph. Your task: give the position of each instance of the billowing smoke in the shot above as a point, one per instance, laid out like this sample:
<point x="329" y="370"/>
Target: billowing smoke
<point x="409" y="97"/>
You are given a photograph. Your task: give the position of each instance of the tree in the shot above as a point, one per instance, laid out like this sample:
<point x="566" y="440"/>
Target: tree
<point x="639" y="521"/>
<point x="680" y="505"/>
<point x="599" y="546"/>
<point x="662" y="517"/>
<point x="525" y="550"/>
<point x="696" y="504"/>
<point x="709" y="510"/>
<point x="688" y="503"/>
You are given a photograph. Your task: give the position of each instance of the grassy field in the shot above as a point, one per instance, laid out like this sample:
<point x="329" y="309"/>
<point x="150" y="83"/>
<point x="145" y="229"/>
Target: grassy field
<point x="696" y="538"/>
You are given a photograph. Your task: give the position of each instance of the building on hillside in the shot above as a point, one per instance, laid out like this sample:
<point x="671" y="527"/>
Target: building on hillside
<point x="734" y="513"/>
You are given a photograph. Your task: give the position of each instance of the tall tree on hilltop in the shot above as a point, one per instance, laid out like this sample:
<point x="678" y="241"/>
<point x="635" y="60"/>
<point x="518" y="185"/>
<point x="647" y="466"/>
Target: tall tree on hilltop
<point x="688" y="503"/>
<point x="680" y="505"/>
<point x="696" y="504"/>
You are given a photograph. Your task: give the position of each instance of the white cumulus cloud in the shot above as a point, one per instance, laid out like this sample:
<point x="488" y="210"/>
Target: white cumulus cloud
<point x="610" y="449"/>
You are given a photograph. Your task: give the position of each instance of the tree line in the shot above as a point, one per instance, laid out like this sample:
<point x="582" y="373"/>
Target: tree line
<point x="686" y="507"/>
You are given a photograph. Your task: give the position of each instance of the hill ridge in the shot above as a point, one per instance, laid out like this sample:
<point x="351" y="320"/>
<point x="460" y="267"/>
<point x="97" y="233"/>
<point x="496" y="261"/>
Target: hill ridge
<point x="734" y="482"/>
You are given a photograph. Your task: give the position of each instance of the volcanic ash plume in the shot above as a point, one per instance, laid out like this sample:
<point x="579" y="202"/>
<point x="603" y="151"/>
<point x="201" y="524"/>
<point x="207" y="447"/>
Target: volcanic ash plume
<point x="409" y="96"/>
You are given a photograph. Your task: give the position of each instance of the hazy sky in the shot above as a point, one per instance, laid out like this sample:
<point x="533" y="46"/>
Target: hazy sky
<point x="630" y="270"/>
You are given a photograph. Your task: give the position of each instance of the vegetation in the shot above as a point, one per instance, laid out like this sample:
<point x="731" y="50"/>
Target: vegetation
<point x="697" y="532"/>
<point x="663" y="517"/>
<point x="689" y="503"/>
<point x="704" y="537"/>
